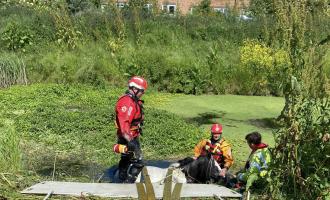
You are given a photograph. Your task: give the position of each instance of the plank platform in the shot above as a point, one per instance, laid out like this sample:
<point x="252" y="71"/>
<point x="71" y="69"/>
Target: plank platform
<point x="118" y="190"/>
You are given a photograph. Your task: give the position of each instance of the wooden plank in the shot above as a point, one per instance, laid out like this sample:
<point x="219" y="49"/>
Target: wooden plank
<point x="142" y="195"/>
<point x="168" y="185"/>
<point x="149" y="187"/>
<point x="177" y="191"/>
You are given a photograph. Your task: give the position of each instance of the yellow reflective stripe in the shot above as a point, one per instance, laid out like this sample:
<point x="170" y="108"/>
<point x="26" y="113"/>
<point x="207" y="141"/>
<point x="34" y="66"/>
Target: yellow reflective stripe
<point x="263" y="173"/>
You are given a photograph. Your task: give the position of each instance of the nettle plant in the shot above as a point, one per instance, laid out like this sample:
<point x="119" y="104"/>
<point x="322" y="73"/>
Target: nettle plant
<point x="66" y="32"/>
<point x="16" y="36"/>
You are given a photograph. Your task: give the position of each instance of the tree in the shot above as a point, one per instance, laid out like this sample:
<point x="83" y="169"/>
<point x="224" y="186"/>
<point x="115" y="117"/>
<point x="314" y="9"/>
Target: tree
<point x="204" y="7"/>
<point x="301" y="153"/>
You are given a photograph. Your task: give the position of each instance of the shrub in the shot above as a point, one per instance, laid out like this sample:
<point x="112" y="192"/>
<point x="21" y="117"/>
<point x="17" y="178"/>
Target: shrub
<point x="66" y="34"/>
<point x="33" y="21"/>
<point x="15" y="36"/>
<point x="257" y="62"/>
<point x="262" y="68"/>
<point x="87" y="64"/>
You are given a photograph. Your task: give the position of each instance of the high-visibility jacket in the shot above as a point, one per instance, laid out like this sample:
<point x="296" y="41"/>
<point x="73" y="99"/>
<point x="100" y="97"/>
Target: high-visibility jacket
<point x="221" y="151"/>
<point x="257" y="164"/>
<point x="129" y="116"/>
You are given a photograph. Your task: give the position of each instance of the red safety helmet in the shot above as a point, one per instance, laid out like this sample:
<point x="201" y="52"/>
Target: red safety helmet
<point x="216" y="129"/>
<point x="138" y="82"/>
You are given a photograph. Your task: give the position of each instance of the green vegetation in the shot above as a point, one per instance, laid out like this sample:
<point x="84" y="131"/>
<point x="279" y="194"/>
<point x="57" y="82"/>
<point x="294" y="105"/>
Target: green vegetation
<point x="10" y="154"/>
<point x="81" y="119"/>
<point x="282" y="51"/>
<point x="12" y="71"/>
<point x="72" y="126"/>
<point x="191" y="54"/>
<point x="301" y="155"/>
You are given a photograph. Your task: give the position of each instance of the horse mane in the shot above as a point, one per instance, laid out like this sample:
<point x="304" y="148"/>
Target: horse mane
<point x="185" y="161"/>
<point x="203" y="174"/>
<point x="196" y="171"/>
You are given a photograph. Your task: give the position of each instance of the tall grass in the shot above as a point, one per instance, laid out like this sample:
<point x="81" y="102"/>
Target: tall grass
<point x="12" y="71"/>
<point x="10" y="154"/>
<point x="190" y="54"/>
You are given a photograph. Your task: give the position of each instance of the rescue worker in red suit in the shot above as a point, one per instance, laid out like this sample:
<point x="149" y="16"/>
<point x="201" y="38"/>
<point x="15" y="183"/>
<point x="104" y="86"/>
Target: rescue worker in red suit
<point x="129" y="120"/>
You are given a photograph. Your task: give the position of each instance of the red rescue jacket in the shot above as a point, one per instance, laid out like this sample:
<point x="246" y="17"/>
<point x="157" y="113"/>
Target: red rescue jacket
<point x="129" y="116"/>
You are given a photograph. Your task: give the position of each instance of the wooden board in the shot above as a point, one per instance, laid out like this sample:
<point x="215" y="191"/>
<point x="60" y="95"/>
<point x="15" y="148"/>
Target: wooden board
<point x="125" y="190"/>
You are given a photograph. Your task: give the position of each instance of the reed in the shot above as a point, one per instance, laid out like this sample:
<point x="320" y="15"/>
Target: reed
<point x="12" y="71"/>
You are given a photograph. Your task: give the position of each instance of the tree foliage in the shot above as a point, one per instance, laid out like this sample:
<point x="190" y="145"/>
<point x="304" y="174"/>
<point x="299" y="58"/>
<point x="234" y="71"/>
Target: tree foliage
<point x="301" y="155"/>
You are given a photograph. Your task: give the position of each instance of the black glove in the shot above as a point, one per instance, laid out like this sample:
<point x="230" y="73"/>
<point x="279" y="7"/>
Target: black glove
<point x="132" y="145"/>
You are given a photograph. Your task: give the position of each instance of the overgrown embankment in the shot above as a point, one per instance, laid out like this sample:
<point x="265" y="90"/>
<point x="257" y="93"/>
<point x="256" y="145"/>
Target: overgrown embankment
<point x="193" y="54"/>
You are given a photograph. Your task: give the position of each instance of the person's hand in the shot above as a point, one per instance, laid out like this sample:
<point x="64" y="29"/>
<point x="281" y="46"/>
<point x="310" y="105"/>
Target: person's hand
<point x="223" y="172"/>
<point x="239" y="176"/>
<point x="195" y="158"/>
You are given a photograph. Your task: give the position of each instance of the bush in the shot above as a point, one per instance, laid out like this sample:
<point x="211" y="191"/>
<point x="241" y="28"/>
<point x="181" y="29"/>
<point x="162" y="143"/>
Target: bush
<point x="35" y="23"/>
<point x="262" y="68"/>
<point x="257" y="62"/>
<point x="15" y="37"/>
<point x="191" y="54"/>
<point x="87" y="64"/>
<point x="301" y="156"/>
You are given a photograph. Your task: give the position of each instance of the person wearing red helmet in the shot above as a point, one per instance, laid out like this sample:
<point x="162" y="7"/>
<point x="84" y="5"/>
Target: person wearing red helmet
<point x="129" y="120"/>
<point x="218" y="147"/>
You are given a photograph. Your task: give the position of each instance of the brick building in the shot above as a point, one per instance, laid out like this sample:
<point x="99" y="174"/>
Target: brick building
<point x="186" y="6"/>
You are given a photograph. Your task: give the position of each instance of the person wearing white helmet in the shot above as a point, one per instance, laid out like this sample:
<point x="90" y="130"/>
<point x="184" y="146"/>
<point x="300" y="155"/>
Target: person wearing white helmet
<point x="129" y="121"/>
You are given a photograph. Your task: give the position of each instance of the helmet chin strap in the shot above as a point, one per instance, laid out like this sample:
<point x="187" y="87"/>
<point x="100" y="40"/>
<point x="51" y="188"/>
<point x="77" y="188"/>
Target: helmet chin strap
<point x="212" y="139"/>
<point x="135" y="93"/>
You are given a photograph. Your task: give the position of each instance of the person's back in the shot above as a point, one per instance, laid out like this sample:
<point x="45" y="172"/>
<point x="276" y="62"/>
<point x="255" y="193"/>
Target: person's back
<point x="258" y="162"/>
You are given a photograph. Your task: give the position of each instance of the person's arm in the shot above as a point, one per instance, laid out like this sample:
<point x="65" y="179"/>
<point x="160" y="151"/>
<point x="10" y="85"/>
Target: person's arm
<point x="253" y="170"/>
<point x="227" y="154"/>
<point x="125" y="113"/>
<point x="199" y="148"/>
